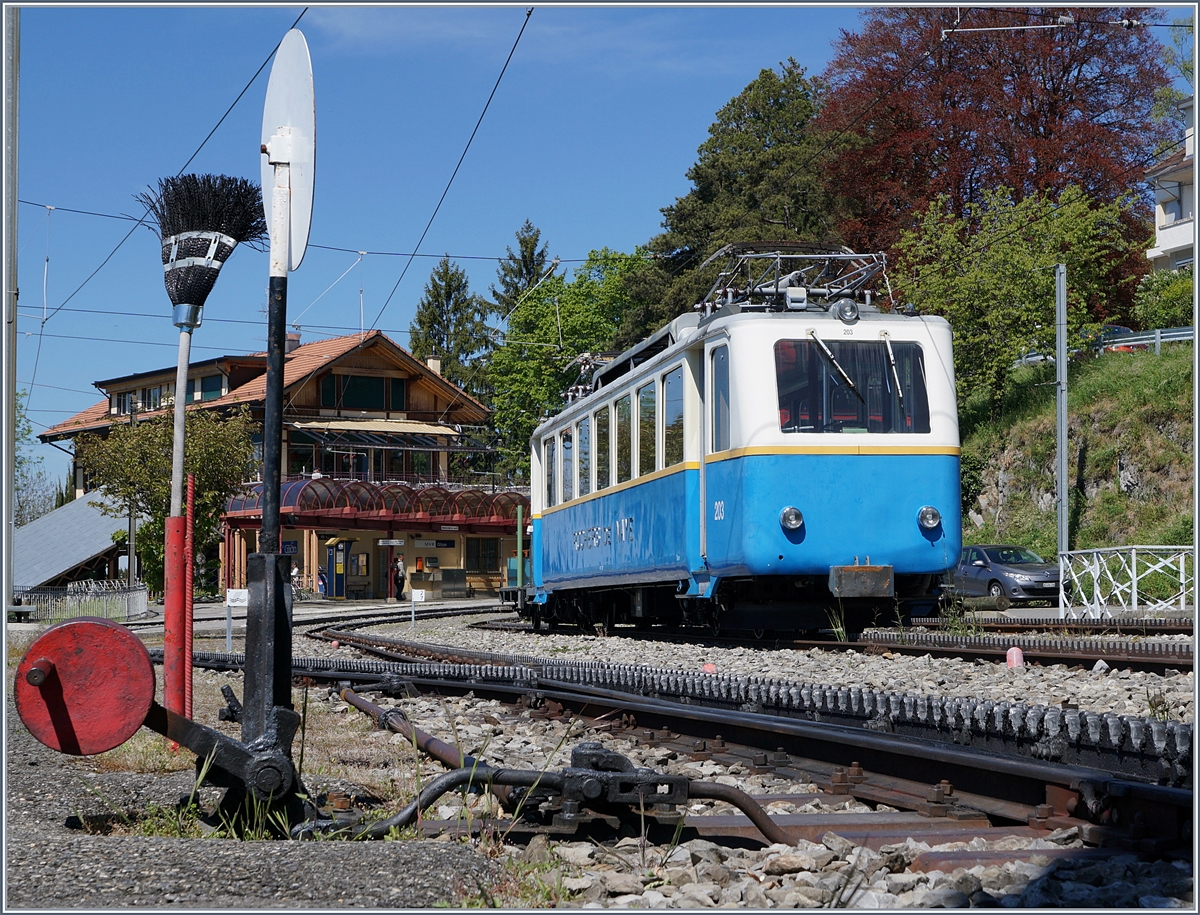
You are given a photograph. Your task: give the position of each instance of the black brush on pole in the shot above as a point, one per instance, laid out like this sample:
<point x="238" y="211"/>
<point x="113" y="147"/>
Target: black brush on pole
<point x="201" y="219"/>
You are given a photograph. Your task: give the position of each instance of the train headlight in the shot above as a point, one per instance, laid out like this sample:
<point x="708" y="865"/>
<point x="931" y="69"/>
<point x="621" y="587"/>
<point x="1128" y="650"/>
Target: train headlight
<point x="847" y="311"/>
<point x="790" y="518"/>
<point x="929" y="517"/>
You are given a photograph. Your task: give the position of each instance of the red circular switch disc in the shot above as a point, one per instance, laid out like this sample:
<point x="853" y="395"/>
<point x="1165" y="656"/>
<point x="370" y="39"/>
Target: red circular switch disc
<point x="84" y="686"/>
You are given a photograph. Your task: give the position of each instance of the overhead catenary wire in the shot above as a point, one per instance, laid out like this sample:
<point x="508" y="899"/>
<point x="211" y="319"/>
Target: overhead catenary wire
<point x="528" y="13"/>
<point x="296" y="322"/>
<point x="369" y="253"/>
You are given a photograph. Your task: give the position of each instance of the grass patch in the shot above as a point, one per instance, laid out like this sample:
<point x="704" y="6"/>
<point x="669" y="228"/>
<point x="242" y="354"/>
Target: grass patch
<point x="1129" y="454"/>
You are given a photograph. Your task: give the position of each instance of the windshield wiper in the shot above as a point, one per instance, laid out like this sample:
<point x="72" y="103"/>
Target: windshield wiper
<point x="887" y="341"/>
<point x="841" y="371"/>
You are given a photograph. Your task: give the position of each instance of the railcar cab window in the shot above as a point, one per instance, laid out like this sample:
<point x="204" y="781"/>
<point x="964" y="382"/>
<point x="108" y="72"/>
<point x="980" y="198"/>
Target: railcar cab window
<point x="583" y="445"/>
<point x="815" y="398"/>
<point x="720" y="398"/>
<point x="673" y="417"/>
<point x="568" y="466"/>
<point x="603" y="452"/>
<point x="624" y="424"/>
<point x="647" y="430"/>
<point x="548" y="457"/>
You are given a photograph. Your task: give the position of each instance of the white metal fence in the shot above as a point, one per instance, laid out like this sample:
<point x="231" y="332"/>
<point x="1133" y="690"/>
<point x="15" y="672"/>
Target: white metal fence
<point x="1131" y="579"/>
<point x="113" y="600"/>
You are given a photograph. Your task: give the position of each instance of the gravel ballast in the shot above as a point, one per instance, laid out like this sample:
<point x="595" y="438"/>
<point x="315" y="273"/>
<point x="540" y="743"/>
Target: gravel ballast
<point x="51" y="865"/>
<point x="1116" y="690"/>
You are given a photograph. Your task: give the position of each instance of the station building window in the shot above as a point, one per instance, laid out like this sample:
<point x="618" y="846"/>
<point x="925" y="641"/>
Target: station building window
<point x="208" y="387"/>
<point x="360" y="392"/>
<point x="483" y="554"/>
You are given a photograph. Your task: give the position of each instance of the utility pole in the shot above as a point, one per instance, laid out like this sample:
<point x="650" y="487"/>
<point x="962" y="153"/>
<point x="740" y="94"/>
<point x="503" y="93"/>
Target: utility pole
<point x="1060" y="367"/>
<point x="132" y="574"/>
<point x="8" y="354"/>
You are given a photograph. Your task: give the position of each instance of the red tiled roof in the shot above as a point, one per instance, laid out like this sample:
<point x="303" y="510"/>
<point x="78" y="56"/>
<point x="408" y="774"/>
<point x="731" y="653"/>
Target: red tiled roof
<point x="94" y="417"/>
<point x="1177" y="160"/>
<point x="300" y="366"/>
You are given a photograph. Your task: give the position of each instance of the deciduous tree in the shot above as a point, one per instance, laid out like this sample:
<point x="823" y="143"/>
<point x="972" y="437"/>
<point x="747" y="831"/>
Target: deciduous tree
<point x="132" y="469"/>
<point x="931" y="111"/>
<point x="553" y="327"/>
<point x="33" y="493"/>
<point x="990" y="273"/>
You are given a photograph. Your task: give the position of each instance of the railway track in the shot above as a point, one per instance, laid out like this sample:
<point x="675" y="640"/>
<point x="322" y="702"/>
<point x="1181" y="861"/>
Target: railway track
<point x="939" y="788"/>
<point x="1065" y="627"/>
<point x="1152" y="655"/>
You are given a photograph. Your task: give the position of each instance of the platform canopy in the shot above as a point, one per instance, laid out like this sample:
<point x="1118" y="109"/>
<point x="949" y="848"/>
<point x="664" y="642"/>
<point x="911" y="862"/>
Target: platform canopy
<point x="394" y="434"/>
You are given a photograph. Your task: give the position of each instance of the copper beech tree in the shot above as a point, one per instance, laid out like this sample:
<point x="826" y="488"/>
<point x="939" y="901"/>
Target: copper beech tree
<point x="921" y="108"/>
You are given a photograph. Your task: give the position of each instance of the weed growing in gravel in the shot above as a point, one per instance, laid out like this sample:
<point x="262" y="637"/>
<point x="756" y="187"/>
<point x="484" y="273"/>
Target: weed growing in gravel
<point x="955" y="619"/>
<point x="516" y="885"/>
<point x="902" y="634"/>
<point x="837" y="621"/>
<point x="182" y="821"/>
<point x="254" y="820"/>
<point x="1160" y="707"/>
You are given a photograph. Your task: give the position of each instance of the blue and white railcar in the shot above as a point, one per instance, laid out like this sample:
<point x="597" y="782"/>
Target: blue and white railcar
<point x="788" y="452"/>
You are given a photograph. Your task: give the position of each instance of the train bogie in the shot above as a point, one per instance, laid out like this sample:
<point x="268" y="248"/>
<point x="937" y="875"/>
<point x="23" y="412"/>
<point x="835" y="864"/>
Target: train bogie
<point x="753" y="468"/>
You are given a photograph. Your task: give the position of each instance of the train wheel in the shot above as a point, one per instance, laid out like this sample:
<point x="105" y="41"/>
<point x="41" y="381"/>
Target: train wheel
<point x="535" y="619"/>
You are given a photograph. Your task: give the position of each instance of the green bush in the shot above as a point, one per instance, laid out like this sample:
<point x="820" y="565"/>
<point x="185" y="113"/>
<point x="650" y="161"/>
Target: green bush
<point x="1164" y="299"/>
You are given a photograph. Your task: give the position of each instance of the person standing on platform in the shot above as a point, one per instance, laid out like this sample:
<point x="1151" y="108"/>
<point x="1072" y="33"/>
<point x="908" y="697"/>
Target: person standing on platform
<point x="398" y="575"/>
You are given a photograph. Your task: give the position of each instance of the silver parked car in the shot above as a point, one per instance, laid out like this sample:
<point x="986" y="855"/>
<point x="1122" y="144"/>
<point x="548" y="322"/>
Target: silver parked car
<point x="993" y="570"/>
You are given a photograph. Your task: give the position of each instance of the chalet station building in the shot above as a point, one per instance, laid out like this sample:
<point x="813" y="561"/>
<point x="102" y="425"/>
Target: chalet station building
<point x="371" y="442"/>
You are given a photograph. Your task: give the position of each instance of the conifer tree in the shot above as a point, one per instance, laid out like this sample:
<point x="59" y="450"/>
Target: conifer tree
<point x="520" y="270"/>
<point x="450" y="324"/>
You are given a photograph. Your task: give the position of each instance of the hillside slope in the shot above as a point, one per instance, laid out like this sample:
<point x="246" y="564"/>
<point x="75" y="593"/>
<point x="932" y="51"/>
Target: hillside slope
<point x="1130" y="455"/>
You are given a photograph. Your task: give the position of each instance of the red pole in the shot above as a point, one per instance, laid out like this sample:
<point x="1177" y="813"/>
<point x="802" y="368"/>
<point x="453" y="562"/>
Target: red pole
<point x="189" y="564"/>
<point x="173" y="613"/>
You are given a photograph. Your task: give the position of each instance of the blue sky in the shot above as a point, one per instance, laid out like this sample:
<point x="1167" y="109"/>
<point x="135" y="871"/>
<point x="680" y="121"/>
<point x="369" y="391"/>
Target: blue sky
<point x="590" y="134"/>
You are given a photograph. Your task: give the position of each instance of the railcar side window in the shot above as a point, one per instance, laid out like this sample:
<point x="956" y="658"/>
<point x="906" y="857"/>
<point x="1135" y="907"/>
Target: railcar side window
<point x="647" y="430"/>
<point x="583" y="445"/>
<point x="720" y="398"/>
<point x="568" y="467"/>
<point x="548" y="456"/>
<point x="673" y="417"/>
<point x="814" y="397"/>
<point x="624" y="422"/>
<point x="603" y="450"/>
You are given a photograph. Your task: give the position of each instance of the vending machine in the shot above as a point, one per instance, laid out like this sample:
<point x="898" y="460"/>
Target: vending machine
<point x="337" y="555"/>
